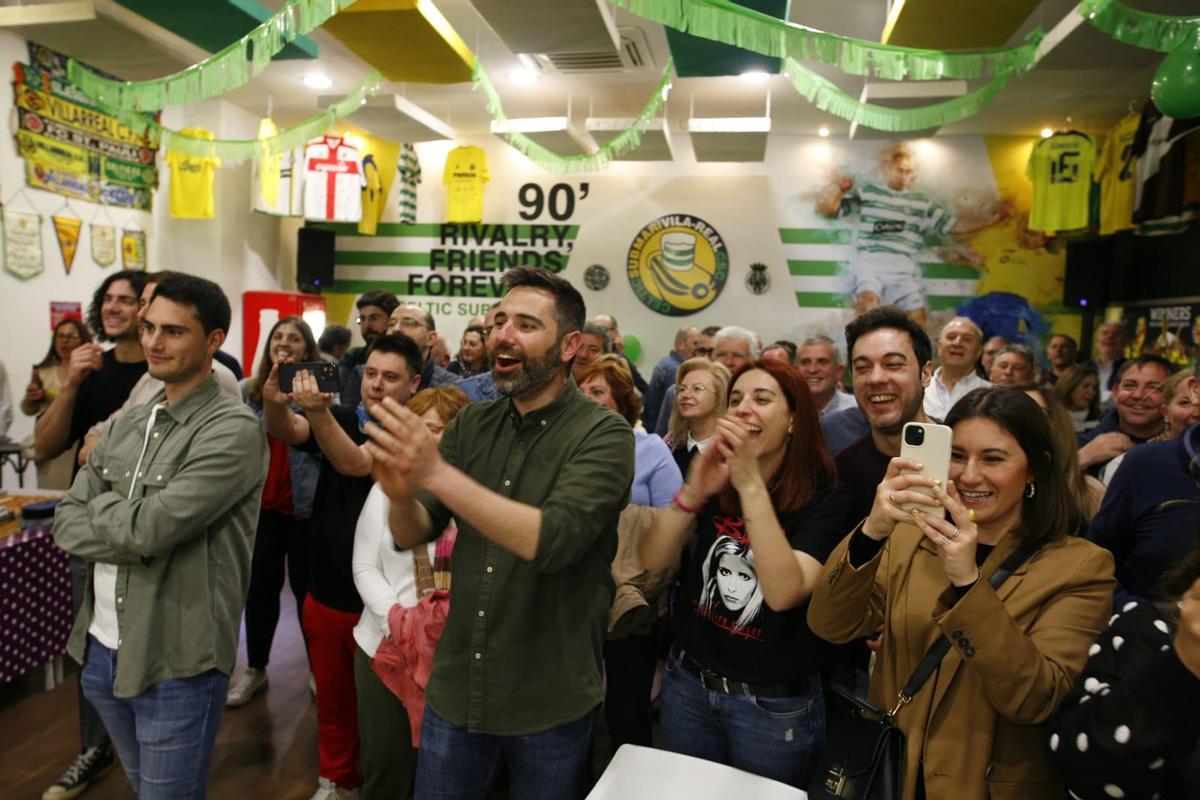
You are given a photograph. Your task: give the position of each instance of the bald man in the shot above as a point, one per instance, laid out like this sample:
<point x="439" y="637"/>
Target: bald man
<point x="958" y="346"/>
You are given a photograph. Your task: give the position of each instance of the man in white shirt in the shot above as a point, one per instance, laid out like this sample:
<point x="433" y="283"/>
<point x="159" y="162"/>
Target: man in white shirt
<point x="958" y="347"/>
<point x="821" y="365"/>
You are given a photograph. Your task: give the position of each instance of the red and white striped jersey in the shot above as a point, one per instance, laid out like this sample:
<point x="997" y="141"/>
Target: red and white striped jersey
<point x="333" y="180"/>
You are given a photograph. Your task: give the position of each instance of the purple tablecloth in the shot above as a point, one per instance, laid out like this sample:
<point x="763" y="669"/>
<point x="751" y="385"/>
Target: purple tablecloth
<point x="35" y="602"/>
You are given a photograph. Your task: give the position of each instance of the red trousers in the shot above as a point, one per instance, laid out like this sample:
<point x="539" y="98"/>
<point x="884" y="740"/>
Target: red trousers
<point x="331" y="650"/>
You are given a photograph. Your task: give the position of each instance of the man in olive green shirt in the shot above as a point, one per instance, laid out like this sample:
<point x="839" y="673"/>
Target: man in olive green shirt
<point x="165" y="511"/>
<point x="536" y="481"/>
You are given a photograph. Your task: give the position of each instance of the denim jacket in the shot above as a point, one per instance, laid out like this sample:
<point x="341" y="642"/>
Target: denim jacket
<point x="305" y="469"/>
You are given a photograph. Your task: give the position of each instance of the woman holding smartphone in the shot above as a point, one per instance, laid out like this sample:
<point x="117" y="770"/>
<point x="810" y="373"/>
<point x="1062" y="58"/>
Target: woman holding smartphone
<point x="973" y="731"/>
<point x="763" y="510"/>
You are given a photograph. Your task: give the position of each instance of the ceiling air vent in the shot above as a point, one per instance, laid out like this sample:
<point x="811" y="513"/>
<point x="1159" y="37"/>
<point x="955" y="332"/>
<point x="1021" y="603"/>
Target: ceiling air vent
<point x="633" y="54"/>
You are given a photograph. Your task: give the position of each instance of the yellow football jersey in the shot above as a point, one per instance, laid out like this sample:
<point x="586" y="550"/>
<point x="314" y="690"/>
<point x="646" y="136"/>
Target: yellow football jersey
<point x="464" y="176"/>
<point x="1061" y="170"/>
<point x="192" y="180"/>
<point x="372" y="197"/>
<point x="1116" y="174"/>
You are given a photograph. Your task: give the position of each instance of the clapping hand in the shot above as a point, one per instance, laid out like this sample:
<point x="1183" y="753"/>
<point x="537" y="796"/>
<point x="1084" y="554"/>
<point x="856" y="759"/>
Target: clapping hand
<point x="401" y="443"/>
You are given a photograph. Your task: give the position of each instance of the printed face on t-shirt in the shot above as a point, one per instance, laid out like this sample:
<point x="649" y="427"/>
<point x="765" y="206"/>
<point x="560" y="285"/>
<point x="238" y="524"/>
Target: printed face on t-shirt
<point x="736" y="581"/>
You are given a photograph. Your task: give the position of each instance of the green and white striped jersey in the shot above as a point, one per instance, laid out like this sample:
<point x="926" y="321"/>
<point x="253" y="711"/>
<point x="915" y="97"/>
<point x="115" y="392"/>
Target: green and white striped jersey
<point x="894" y="222"/>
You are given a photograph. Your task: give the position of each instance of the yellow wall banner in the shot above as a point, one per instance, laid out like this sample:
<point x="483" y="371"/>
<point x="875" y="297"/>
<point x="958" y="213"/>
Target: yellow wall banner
<point x="72" y="148"/>
<point x="133" y="249"/>
<point x="67" y="230"/>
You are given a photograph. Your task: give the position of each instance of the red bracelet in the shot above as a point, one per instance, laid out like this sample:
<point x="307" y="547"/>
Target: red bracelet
<point x="679" y="504"/>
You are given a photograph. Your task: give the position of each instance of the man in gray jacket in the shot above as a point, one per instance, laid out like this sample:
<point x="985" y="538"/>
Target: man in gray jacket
<point x="165" y="513"/>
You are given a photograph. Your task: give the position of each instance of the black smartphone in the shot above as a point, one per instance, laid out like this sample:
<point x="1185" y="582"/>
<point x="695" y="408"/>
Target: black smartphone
<point x="326" y="373"/>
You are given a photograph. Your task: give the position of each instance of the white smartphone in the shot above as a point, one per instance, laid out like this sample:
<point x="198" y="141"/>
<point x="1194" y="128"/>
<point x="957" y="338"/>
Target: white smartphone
<point x="929" y="445"/>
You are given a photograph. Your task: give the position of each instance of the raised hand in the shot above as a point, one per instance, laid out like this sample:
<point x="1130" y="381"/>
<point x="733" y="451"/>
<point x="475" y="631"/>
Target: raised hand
<point x="400" y="441"/>
<point x="86" y="358"/>
<point x="306" y="394"/>
<point x="270" y="391"/>
<point x="739" y="452"/>
<point x="893" y="493"/>
<point x="954" y="538"/>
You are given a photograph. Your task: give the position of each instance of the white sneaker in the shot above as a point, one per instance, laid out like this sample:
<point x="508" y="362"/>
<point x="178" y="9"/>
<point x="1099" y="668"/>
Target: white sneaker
<point x="328" y="790"/>
<point x="244" y="688"/>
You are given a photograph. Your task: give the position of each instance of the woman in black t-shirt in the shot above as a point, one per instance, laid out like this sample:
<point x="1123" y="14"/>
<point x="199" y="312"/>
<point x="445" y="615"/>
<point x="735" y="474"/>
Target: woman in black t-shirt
<point x="762" y="510"/>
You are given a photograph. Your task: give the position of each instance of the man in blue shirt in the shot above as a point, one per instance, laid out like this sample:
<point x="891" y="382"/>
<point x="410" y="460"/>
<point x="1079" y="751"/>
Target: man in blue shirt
<point x="664" y="373"/>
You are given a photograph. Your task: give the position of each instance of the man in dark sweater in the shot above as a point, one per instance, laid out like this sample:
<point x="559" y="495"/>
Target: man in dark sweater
<point x="1136" y="416"/>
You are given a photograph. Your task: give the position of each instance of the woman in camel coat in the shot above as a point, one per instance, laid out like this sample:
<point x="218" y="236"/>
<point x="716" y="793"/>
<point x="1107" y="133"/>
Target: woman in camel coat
<point x="975" y="730"/>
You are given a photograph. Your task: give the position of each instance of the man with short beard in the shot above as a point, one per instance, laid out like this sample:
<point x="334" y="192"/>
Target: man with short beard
<point x="890" y="358"/>
<point x="536" y="481"/>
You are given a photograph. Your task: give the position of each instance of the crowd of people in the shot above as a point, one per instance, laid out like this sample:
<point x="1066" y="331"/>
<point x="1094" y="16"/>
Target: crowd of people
<point x="488" y="549"/>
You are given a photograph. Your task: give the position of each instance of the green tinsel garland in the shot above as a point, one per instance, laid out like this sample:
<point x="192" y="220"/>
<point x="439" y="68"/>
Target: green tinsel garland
<point x="825" y="95"/>
<point x="726" y="22"/>
<point x="1141" y="28"/>
<point x="221" y="72"/>
<point x="550" y="161"/>
<point x="247" y="149"/>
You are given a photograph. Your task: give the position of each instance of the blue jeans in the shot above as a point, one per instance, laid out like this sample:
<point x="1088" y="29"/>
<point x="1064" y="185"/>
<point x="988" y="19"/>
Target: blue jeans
<point x="775" y="737"/>
<point x="165" y="735"/>
<point x="455" y="764"/>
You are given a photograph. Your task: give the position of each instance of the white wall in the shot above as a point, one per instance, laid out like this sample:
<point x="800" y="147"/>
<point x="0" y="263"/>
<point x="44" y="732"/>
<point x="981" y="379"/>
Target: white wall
<point x="238" y="249"/>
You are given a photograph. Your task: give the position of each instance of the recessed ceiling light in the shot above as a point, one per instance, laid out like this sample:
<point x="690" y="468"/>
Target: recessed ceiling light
<point x="1047" y="133"/>
<point x="754" y="76"/>
<point x="523" y="77"/>
<point x="823" y="132"/>
<point x="317" y="80"/>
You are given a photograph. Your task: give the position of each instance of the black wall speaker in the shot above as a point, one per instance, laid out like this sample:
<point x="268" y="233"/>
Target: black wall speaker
<point x="314" y="259"/>
<point x="1089" y="265"/>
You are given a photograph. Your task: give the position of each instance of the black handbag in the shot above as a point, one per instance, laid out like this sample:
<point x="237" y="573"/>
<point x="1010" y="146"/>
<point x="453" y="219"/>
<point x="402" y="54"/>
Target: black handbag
<point x="863" y="758"/>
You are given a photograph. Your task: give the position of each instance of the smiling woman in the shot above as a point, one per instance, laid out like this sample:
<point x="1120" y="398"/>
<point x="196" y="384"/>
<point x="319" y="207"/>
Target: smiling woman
<point x="762" y="509"/>
<point x="974" y="730"/>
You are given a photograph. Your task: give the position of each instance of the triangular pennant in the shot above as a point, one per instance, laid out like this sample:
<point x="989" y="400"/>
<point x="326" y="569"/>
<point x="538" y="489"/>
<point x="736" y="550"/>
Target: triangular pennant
<point x="67" y="230"/>
<point x="22" y="244"/>
<point x="104" y="245"/>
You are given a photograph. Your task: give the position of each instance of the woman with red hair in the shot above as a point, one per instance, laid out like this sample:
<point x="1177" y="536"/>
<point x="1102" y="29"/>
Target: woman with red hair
<point x="763" y="509"/>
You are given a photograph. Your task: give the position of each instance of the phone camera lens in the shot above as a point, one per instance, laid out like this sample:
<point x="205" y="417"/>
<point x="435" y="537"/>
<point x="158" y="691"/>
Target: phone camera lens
<point x="914" y="435"/>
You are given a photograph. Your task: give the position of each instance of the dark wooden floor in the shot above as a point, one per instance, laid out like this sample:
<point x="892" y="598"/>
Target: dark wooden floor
<point x="267" y="749"/>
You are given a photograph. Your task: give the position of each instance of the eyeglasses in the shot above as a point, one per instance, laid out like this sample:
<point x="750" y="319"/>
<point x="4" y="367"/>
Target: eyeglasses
<point x="695" y="388"/>
<point x="406" y="322"/>
<point x="67" y="337"/>
<point x="706" y="352"/>
<point x="369" y="318"/>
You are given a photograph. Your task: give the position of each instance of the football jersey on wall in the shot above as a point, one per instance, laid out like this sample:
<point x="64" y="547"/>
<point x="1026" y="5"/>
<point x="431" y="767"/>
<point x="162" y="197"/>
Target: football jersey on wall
<point x="275" y="185"/>
<point x="192" y="180"/>
<point x="1168" y="171"/>
<point x="333" y="180"/>
<point x="1116" y="173"/>
<point x="1061" y="170"/>
<point x="464" y="176"/>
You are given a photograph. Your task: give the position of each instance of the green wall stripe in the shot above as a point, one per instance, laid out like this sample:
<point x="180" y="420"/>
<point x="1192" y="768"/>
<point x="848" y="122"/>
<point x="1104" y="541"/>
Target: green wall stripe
<point x="932" y="271"/>
<point x="837" y="300"/>
<point x="814" y="235"/>
<point x="370" y="258"/>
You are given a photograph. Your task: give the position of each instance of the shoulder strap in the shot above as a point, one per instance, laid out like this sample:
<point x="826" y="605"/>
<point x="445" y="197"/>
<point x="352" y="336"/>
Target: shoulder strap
<point x="423" y="570"/>
<point x="939" y="649"/>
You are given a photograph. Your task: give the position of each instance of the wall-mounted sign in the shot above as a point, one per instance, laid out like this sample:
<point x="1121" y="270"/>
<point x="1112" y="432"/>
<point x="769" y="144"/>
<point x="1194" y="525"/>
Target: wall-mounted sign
<point x="677" y="265"/>
<point x="596" y="277"/>
<point x="757" y="279"/>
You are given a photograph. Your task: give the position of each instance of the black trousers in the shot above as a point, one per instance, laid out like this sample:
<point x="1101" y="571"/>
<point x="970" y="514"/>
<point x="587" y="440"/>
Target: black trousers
<point x="279" y="541"/>
<point x="629" y="666"/>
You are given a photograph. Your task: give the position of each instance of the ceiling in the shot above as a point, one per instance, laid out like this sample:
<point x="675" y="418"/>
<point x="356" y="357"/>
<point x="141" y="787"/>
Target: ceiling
<point x="1087" y="77"/>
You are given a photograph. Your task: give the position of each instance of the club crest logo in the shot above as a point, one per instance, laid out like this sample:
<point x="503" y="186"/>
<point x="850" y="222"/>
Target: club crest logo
<point x="677" y="265"/>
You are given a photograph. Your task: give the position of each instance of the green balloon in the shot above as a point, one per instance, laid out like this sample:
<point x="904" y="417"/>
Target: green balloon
<point x="633" y="348"/>
<point x="1176" y="88"/>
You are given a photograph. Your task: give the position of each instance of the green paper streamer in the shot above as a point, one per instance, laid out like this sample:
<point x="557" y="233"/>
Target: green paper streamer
<point x="1141" y="28"/>
<point x="220" y="73"/>
<point x="247" y="149"/>
<point x="726" y="22"/>
<point x="550" y="161"/>
<point x="826" y="96"/>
